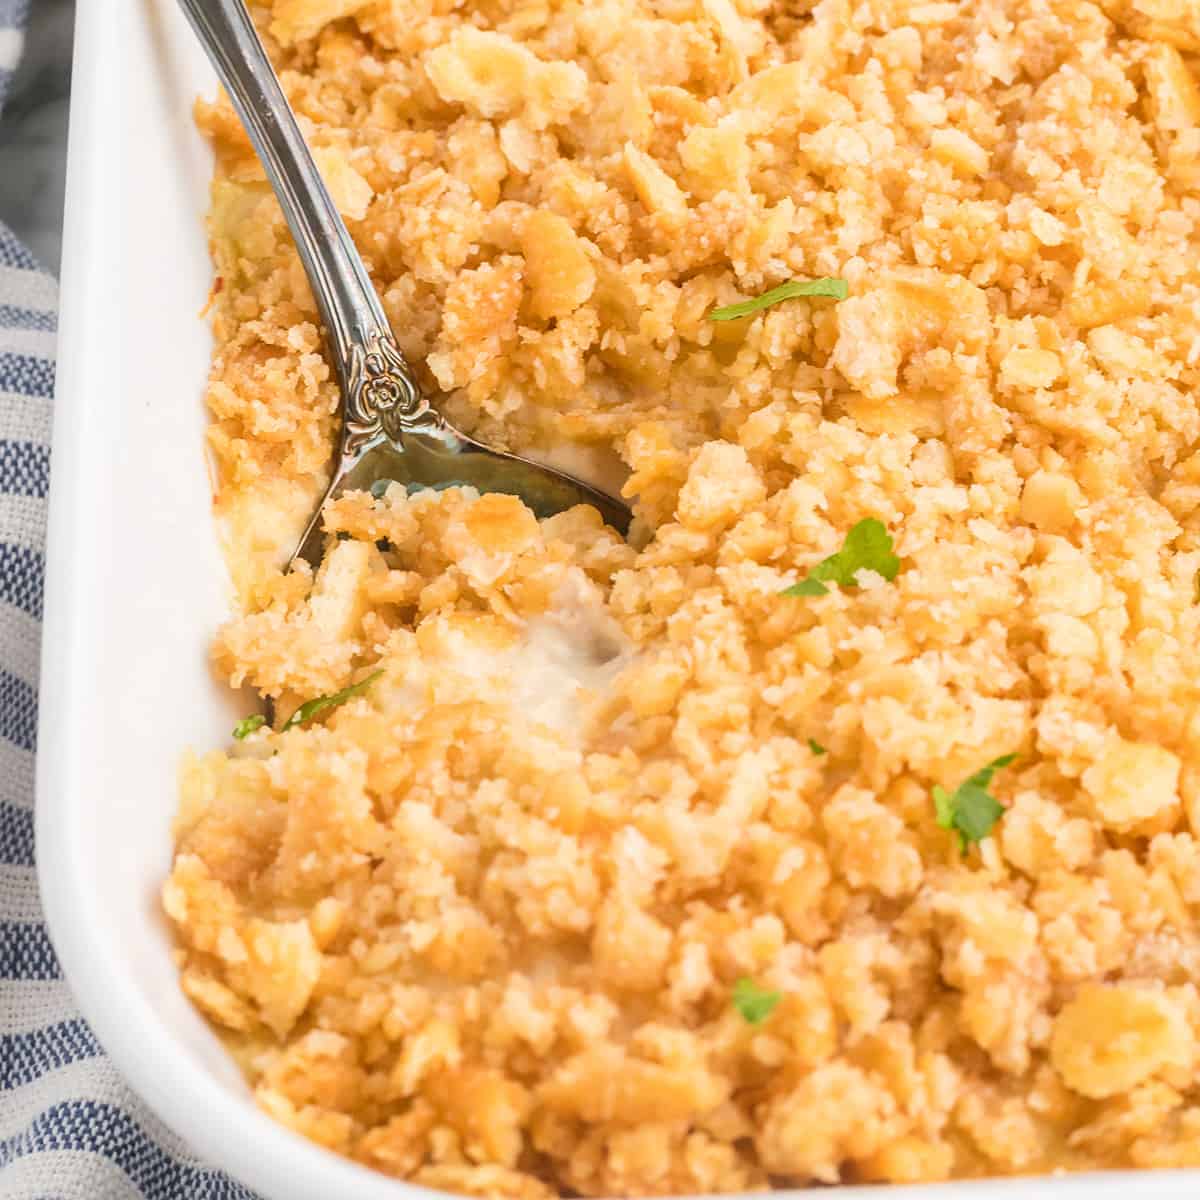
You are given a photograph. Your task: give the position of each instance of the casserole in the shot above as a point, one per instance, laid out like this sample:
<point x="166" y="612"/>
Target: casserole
<point x="135" y="590"/>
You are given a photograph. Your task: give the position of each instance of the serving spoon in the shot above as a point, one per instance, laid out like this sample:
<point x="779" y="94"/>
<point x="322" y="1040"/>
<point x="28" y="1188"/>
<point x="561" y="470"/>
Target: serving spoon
<point x="389" y="430"/>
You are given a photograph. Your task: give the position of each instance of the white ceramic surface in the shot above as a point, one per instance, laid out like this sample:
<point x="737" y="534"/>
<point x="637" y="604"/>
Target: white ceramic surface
<point x="135" y="588"/>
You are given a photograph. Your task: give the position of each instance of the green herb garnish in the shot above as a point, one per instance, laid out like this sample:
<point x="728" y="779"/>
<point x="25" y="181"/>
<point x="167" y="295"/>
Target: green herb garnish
<point x="816" y="747"/>
<point x="971" y="809"/>
<point x="247" y="725"/>
<point x="754" y="1003"/>
<point x="836" y="289"/>
<point x="311" y="708"/>
<point x="868" y="547"/>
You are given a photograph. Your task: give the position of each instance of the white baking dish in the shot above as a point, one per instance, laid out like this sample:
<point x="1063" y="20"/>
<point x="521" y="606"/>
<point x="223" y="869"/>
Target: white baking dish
<point x="135" y="588"/>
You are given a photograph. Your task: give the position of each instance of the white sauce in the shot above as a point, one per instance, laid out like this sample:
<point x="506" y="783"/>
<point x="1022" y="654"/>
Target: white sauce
<point x="600" y="466"/>
<point x="566" y="658"/>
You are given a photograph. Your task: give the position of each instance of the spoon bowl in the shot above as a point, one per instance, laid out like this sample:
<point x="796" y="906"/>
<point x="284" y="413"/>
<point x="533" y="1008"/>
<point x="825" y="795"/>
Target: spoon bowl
<point x="434" y="455"/>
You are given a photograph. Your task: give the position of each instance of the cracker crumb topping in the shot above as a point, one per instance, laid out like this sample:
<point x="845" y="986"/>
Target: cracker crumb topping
<point x="480" y="925"/>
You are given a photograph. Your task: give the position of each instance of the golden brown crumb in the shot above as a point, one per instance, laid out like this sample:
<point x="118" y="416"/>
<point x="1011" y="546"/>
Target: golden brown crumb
<point x="480" y="926"/>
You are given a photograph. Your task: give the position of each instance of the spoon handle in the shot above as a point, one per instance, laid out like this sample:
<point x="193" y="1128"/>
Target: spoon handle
<point x="377" y="384"/>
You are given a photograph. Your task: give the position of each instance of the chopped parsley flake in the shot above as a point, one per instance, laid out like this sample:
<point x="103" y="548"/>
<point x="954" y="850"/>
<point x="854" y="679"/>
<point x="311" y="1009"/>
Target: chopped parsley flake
<point x="971" y="809"/>
<point x="247" y="725"/>
<point x="816" y="747"/>
<point x="754" y="1003"/>
<point x="868" y="547"/>
<point x="311" y="708"/>
<point x="836" y="289"/>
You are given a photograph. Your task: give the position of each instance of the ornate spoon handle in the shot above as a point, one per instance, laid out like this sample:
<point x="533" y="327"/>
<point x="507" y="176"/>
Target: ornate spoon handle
<point x="377" y="385"/>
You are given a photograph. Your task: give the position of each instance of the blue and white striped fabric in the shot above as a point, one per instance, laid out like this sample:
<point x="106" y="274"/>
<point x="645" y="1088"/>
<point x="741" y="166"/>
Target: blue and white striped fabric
<point x="69" y="1128"/>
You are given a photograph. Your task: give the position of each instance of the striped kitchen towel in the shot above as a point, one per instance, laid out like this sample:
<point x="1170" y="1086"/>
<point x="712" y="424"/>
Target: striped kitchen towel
<point x="69" y="1128"/>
